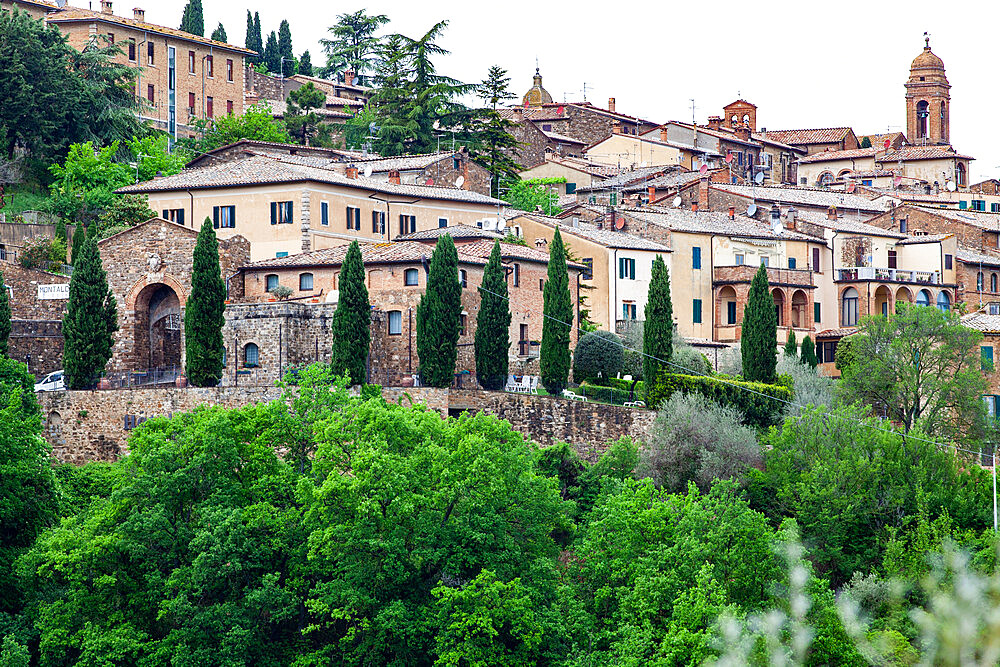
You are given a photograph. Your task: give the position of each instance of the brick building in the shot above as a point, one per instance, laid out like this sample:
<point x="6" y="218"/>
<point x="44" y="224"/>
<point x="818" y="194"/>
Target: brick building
<point x="183" y="77"/>
<point x="35" y="8"/>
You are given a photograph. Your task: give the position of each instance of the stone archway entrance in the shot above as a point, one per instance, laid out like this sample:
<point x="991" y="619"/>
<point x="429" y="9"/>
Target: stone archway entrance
<point x="157" y="331"/>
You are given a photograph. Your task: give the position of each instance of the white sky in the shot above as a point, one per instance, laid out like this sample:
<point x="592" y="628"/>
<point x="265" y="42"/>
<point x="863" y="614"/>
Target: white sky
<point x="804" y="64"/>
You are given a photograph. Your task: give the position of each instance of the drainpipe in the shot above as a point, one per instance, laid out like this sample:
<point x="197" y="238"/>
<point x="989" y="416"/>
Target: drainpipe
<point x="138" y="62"/>
<point x="191" y="195"/>
<point x="409" y="340"/>
<point x="613" y="274"/>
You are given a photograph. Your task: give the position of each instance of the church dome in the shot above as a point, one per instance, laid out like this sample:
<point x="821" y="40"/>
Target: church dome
<point x="537" y="95"/>
<point x="927" y="60"/>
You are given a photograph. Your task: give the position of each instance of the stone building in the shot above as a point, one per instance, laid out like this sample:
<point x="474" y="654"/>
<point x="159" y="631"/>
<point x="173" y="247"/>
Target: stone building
<point x="38" y="303"/>
<point x="183" y="77"/>
<point x="928" y="100"/>
<point x="35" y="8"/>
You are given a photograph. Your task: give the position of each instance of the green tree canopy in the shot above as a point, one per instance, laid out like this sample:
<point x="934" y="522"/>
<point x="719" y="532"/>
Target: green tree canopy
<point x="90" y="320"/>
<point x="866" y="142"/>
<point x="598" y="357"/>
<point x="791" y="347"/>
<point x="305" y="67"/>
<point x="534" y="194"/>
<point x="353" y="43"/>
<point x="809" y="352"/>
<point x="439" y="316"/>
<point x="219" y="34"/>
<point x="4" y="317"/>
<point x="658" y="328"/>
<point x="351" y="329"/>
<point x="253" y="40"/>
<point x="193" y="20"/>
<point x="257" y="124"/>
<point x="287" y="66"/>
<point x="203" y="313"/>
<point x="497" y="147"/>
<point x="758" y="344"/>
<point x="557" y="311"/>
<point x="301" y="119"/>
<point x="272" y="56"/>
<point x="492" y="341"/>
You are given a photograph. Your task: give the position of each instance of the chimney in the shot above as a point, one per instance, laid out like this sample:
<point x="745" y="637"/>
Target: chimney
<point x="394" y="176"/>
<point x="611" y="104"/>
<point x="351" y="171"/>
<point x="743" y="132"/>
<point x="616" y="127"/>
<point x="791" y="219"/>
<point x="694" y="206"/>
<point x="703" y="193"/>
<point x="775" y="215"/>
<point x="732" y="212"/>
<point x="715" y="122"/>
<point x="663" y="134"/>
<point x="139" y="14"/>
<point x="831" y="213"/>
<point x="349" y="76"/>
<point x="651" y="192"/>
<point x="106" y="7"/>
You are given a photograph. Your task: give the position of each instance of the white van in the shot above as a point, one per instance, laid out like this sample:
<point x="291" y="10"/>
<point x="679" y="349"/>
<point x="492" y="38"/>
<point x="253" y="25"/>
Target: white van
<point x="51" y="382"/>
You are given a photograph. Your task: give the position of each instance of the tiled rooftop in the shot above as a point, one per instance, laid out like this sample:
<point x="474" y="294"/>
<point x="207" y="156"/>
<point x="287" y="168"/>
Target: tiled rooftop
<point x="822" y="135"/>
<point x="455" y="231"/>
<point x="970" y="256"/>
<point x="677" y="179"/>
<point x="924" y="238"/>
<point x="606" y="237"/>
<point x="847" y="225"/>
<point x="806" y="196"/>
<point x="632" y="176"/>
<point x="981" y="321"/>
<point x="988" y="221"/>
<point x="906" y="153"/>
<point x="711" y="222"/>
<point x="830" y="156"/>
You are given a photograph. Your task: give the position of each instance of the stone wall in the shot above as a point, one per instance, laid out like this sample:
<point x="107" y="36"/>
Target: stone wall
<point x="23" y="283"/>
<point x="86" y="426"/>
<point x="38" y="343"/>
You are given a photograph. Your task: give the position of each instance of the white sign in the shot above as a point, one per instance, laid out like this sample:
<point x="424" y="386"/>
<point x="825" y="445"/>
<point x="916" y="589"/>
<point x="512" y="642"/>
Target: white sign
<point x="53" y="291"/>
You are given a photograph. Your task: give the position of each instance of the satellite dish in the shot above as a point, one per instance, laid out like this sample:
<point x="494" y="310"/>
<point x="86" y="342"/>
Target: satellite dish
<point x="619" y="223"/>
<point x="460" y="181"/>
<point x="368" y="171"/>
<point x="676" y="202"/>
<point x="950" y="186"/>
<point x="429" y="181"/>
<point x="897" y="180"/>
<point x="729" y="157"/>
<point x="644" y="164"/>
<point x="501" y="225"/>
<point x="751" y="210"/>
<point x="703" y="169"/>
<point x="851" y="187"/>
<point x="776" y="226"/>
<point x="355" y="81"/>
<point x="888" y="143"/>
<point x="759" y="178"/>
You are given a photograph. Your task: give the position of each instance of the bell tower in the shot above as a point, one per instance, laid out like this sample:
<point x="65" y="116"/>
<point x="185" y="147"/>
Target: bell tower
<point x="928" y="100"/>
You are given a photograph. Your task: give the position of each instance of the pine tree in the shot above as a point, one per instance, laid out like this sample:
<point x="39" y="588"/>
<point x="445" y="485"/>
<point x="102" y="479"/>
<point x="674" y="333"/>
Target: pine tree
<point x="193" y="21"/>
<point x="557" y="309"/>
<point x="90" y="320"/>
<point x="658" y="328"/>
<point x="285" y="49"/>
<point x="254" y="42"/>
<point x="497" y="145"/>
<point x="272" y="59"/>
<point x="791" y="347"/>
<point x="4" y="317"/>
<point x="204" y="313"/>
<point x="79" y="236"/>
<point x="219" y="34"/>
<point x="866" y="142"/>
<point x="92" y="231"/>
<point x="439" y="315"/>
<point x="809" y="353"/>
<point x="305" y="64"/>
<point x="492" y="342"/>
<point x="352" y="319"/>
<point x="248" y="41"/>
<point x="758" y="345"/>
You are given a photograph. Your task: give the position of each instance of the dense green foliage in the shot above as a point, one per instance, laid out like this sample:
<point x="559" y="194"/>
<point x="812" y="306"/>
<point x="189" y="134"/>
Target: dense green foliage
<point x="760" y="404"/>
<point x="256" y="124"/>
<point x="90" y="321"/>
<point x="493" y="130"/>
<point x="353" y="44"/>
<point x="760" y="331"/>
<point x="287" y="65"/>
<point x="305" y="67"/>
<point x="219" y="34"/>
<point x="351" y="328"/>
<point x="4" y="317"/>
<point x="301" y="119"/>
<point x="439" y="316"/>
<point x="193" y="19"/>
<point x="533" y="195"/>
<point x="598" y="357"/>
<point x="203" y="314"/>
<point x="808" y="355"/>
<point x="492" y="340"/>
<point x="557" y="311"/>
<point x="271" y="58"/>
<point x="658" y="328"/>
<point x="254" y="40"/>
<point x="791" y="347"/>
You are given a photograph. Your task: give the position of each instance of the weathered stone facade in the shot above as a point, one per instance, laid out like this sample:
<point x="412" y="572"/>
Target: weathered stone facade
<point x="38" y="343"/>
<point x="36" y="323"/>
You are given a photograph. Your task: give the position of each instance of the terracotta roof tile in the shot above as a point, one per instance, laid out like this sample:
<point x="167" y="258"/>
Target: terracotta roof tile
<point x="455" y="231"/>
<point x="605" y="237"/>
<point x="822" y="135"/>
<point x="711" y="222"/>
<point x="850" y="154"/>
<point x="924" y="238"/>
<point x="907" y="153"/>
<point x="806" y="196"/>
<point x="970" y="256"/>
<point x="981" y="321"/>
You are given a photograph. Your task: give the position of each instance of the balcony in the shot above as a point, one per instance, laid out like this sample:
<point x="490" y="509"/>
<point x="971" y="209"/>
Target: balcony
<point x="744" y="273"/>
<point x="854" y="273"/>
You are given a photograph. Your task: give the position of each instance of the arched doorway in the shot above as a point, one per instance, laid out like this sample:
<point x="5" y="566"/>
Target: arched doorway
<point x="157" y="332"/>
<point x="883" y="301"/>
<point x="902" y="296"/>
<point x="779" y="306"/>
<point x="800" y="310"/>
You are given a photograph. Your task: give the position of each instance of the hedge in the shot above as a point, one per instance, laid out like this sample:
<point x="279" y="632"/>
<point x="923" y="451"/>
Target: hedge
<point x="755" y="400"/>
<point x="612" y="394"/>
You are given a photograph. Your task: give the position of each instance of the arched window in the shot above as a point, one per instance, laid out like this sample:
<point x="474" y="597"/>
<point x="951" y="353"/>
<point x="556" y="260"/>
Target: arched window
<point x="251" y="355"/>
<point x="849" y="308"/>
<point x="993" y="282"/>
<point x="922" y="114"/>
<point x="944" y="302"/>
<point x="942" y="114"/>
<point x="735" y="120"/>
<point x="305" y="282"/>
<point x="842" y="173"/>
<point x="410" y="277"/>
<point x="826" y="178"/>
<point x="960" y="174"/>
<point x="270" y="281"/>
<point x="979" y="281"/>
<point x="923" y="298"/>
<point x="746" y="118"/>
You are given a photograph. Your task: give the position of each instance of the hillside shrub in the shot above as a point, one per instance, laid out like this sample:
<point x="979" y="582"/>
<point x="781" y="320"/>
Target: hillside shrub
<point x="761" y="404"/>
<point x="598" y="355"/>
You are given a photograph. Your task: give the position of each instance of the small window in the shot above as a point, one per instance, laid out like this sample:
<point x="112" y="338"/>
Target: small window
<point x="816" y="260"/>
<point x="354" y="218"/>
<point x="251" y="355"/>
<point x="791" y="262"/>
<point x="765" y="260"/>
<point x="993" y="282"/>
<point x="902" y="225"/>
<point x="395" y="322"/>
<point x="229" y="69"/>
<point x="994" y="208"/>
<point x="270" y="281"/>
<point x="962" y="205"/>
<point x="628" y="310"/>
<point x="229" y="107"/>
<point x="731" y="312"/>
<point x="696" y="257"/>
<point x="150" y="54"/>
<point x="588" y="268"/>
<point x="986" y="358"/>
<point x="131" y="49"/>
<point x="979" y="281"/>
<point x="280" y="254"/>
<point x="517" y="275"/>
<point x="111" y="38"/>
<point x="174" y="215"/>
<point x="696" y="311"/>
<point x="442" y="222"/>
<point x="463" y="278"/>
<point x="191" y="103"/>
<point x="407" y="224"/>
<point x="378" y="222"/>
<point x="947" y="262"/>
<point x="979" y="205"/>
<point x="210" y="66"/>
<point x="943" y="302"/>
<point x="210" y="107"/>
<point x="456" y="163"/>
<point x="571" y="188"/>
<point x="816" y="311"/>
<point x="541" y="284"/>
<point x="626" y="268"/>
<point x="191" y="62"/>
<point x="281" y="213"/>
<point x="224" y="217"/>
<point x="740" y="259"/>
<point x="305" y="282"/>
<point x="411" y="277"/>
<point x="324" y="213"/>
<point x="151" y="94"/>
<point x="463" y="319"/>
<point x="849" y="308"/>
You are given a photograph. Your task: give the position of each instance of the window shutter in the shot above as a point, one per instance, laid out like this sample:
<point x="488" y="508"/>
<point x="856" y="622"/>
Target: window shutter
<point x="631" y="269"/>
<point x="215" y="217"/>
<point x="232" y="216"/>
<point x="274" y="213"/>
<point x="696" y="314"/>
<point x="621" y="267"/>
<point x="816" y="311"/>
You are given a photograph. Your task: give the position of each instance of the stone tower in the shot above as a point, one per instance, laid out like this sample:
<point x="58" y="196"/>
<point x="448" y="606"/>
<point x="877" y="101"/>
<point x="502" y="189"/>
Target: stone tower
<point x="928" y="101"/>
<point x="537" y="95"/>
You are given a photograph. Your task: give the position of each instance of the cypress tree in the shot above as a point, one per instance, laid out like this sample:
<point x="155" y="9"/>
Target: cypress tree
<point x="305" y="67"/>
<point x="61" y="230"/>
<point x="272" y="59"/>
<point x="492" y="341"/>
<point x="92" y="231"/>
<point x="285" y="49"/>
<point x="439" y="315"/>
<point x="90" y="320"/>
<point x="758" y="346"/>
<point x="193" y="20"/>
<point x="658" y="329"/>
<point x="4" y="317"/>
<point x="219" y="34"/>
<point x="809" y="353"/>
<point x="557" y="311"/>
<point x="203" y="314"/>
<point x="791" y="348"/>
<point x="258" y="37"/>
<point x="253" y="40"/>
<point x="79" y="236"/>
<point x="352" y="319"/>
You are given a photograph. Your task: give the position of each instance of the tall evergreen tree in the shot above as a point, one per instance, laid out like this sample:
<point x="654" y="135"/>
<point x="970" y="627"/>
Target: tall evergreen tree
<point x="61" y="230"/>
<point x="353" y="44"/>
<point x="492" y="342"/>
<point x="90" y="320"/>
<point x="809" y="353"/>
<point x="352" y="319"/>
<point x="272" y="59"/>
<point x="758" y="346"/>
<point x="301" y="119"/>
<point x="204" y="313"/>
<point x="305" y="64"/>
<point x="557" y="322"/>
<point x="219" y="34"/>
<point x="791" y="347"/>
<point x="254" y="40"/>
<point x="285" y="48"/>
<point x="4" y="317"/>
<point x="193" y="21"/>
<point x="658" y="328"/>
<point x="497" y="147"/>
<point x="79" y="236"/>
<point x="439" y="315"/>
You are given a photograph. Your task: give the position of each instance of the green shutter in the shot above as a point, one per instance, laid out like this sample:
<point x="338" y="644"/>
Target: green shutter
<point x="816" y="310"/>
<point x="696" y="311"/>
<point x="274" y="213"/>
<point x="621" y="267"/>
<point x="986" y="357"/>
<point x="215" y="217"/>
<point x="631" y="269"/>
